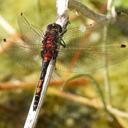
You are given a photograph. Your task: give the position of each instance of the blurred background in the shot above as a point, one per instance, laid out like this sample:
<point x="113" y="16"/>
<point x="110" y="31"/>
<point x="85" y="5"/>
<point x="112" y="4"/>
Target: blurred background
<point x="78" y="93"/>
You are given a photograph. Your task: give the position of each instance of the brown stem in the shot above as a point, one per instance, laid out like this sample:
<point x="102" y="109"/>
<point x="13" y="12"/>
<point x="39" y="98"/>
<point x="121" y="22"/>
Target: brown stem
<point x="25" y="85"/>
<point x="79" y="99"/>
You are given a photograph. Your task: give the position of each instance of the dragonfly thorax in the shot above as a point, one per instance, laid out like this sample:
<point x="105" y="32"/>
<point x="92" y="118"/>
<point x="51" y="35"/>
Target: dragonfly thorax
<point x="50" y="42"/>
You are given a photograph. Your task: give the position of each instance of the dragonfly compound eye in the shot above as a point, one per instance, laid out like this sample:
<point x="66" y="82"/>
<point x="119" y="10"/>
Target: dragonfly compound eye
<point x="55" y="26"/>
<point x="49" y="27"/>
<point x="59" y="28"/>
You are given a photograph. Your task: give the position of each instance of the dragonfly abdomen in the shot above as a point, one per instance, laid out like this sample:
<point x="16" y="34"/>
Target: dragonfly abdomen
<point x="40" y="85"/>
<point x="37" y="95"/>
<point x="36" y="101"/>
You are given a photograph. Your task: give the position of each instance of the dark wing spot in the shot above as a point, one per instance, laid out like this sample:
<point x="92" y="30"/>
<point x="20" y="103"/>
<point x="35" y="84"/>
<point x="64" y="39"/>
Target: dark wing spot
<point x="123" y="45"/>
<point x="21" y="13"/>
<point x="4" y="40"/>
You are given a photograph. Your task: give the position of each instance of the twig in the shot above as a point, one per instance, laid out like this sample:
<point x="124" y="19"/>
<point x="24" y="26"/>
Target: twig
<point x="11" y="86"/>
<point x="105" y="59"/>
<point x="51" y="91"/>
<point x="106" y="71"/>
<point x="110" y="7"/>
<point x="25" y="85"/>
<point x="117" y="112"/>
<point x="79" y="99"/>
<point x="111" y="14"/>
<point x="85" y="11"/>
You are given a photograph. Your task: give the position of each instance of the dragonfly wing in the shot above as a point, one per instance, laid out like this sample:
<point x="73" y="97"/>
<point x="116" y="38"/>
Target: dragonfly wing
<point x="78" y="58"/>
<point x="29" y="33"/>
<point x="88" y="52"/>
<point x="79" y="30"/>
<point x="21" y="59"/>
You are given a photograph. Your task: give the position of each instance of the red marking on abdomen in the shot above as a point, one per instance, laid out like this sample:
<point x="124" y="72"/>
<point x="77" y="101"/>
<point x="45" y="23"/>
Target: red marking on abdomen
<point x="48" y="56"/>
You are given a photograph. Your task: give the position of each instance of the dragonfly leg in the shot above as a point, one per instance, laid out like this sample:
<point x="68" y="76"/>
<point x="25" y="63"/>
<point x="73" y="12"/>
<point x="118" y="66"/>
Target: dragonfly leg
<point x="64" y="31"/>
<point x="62" y="42"/>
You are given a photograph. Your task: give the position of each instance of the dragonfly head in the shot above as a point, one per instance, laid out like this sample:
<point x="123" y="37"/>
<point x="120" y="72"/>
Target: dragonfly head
<point x="54" y="28"/>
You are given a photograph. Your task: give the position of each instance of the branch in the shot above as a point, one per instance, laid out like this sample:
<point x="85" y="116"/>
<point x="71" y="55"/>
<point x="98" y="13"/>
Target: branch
<point x="110" y="14"/>
<point x="117" y="112"/>
<point x="85" y="11"/>
<point x="79" y="99"/>
<point x="51" y="91"/>
<point x="24" y="85"/>
<point x="75" y="98"/>
<point x="111" y="8"/>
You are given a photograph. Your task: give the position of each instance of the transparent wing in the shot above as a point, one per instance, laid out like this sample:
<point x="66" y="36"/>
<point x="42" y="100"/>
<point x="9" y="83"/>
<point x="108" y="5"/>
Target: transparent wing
<point x="20" y="57"/>
<point x="23" y="55"/>
<point x="79" y="30"/>
<point x="88" y="52"/>
<point x="30" y="34"/>
<point x="92" y="57"/>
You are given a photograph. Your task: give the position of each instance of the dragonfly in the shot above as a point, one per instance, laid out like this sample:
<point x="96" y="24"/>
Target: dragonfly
<point x="80" y="50"/>
<point x="50" y="45"/>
